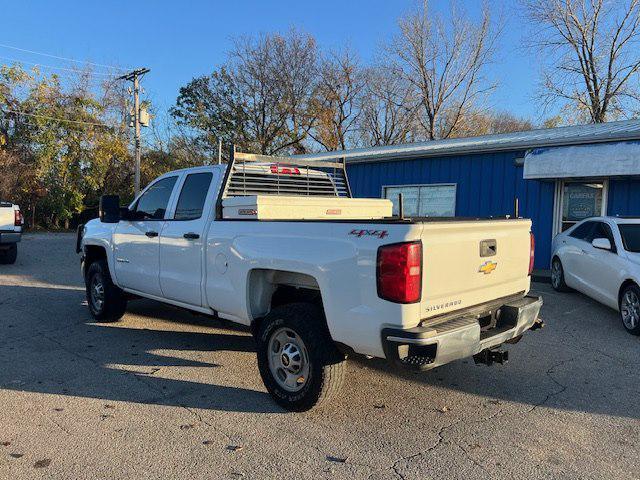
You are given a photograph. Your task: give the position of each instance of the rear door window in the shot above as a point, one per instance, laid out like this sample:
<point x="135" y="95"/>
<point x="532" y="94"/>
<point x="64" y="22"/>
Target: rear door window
<point x="583" y="231"/>
<point x="193" y="196"/>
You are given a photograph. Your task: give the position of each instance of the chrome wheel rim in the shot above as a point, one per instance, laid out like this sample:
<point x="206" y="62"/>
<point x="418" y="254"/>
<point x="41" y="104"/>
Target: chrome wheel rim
<point x="288" y="359"/>
<point x="556" y="274"/>
<point x="96" y="293"/>
<point x="630" y="309"/>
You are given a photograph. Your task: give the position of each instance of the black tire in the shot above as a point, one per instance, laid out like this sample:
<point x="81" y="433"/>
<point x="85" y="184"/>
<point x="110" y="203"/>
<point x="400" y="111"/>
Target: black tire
<point x="326" y="365"/>
<point x="557" y="276"/>
<point x="114" y="300"/>
<point x="627" y="307"/>
<point x="9" y="256"/>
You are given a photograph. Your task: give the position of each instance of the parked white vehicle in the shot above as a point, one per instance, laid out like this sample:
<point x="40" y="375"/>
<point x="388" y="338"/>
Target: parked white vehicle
<point x="11" y="221"/>
<point x="600" y="257"/>
<point x="316" y="274"/>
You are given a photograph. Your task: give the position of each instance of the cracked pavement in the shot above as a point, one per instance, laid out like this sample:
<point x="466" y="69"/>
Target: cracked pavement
<point x="168" y="394"/>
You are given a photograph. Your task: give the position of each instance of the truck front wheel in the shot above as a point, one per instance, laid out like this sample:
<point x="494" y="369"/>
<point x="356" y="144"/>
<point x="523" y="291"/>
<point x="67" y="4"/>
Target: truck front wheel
<point x="107" y="303"/>
<point x="298" y="362"/>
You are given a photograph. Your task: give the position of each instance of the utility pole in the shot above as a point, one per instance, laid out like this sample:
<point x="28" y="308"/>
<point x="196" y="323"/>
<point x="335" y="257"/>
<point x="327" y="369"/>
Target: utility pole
<point x="134" y="76"/>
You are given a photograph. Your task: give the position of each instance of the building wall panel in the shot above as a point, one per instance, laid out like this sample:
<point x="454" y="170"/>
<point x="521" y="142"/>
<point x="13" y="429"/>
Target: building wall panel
<point x="487" y="185"/>
<point x="624" y="197"/>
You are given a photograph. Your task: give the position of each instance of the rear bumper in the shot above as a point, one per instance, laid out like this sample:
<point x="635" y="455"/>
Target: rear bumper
<point x="10" y="237"/>
<point x="435" y="344"/>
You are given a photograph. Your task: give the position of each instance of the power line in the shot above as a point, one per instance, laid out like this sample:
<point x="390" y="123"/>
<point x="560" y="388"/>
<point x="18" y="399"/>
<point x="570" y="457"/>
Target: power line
<point x="47" y="117"/>
<point x="71" y="127"/>
<point x="62" y="58"/>
<point x="57" y="68"/>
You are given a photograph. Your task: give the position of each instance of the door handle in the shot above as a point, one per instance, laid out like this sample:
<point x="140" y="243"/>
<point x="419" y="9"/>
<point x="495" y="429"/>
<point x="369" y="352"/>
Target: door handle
<point x="191" y="236"/>
<point x="151" y="234"/>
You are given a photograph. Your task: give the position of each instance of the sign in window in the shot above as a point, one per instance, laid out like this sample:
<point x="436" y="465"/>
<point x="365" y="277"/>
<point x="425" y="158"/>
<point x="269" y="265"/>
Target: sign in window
<point x="580" y="200"/>
<point x="437" y="200"/>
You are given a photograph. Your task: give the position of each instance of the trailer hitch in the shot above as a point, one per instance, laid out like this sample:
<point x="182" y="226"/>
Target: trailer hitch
<point x="489" y="357"/>
<point x="539" y="323"/>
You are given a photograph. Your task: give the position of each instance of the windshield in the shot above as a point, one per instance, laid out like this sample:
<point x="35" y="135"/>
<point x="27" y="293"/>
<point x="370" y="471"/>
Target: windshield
<point x="630" y="236"/>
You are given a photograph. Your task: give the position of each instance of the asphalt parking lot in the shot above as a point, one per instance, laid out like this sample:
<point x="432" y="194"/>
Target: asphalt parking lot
<point x="167" y="394"/>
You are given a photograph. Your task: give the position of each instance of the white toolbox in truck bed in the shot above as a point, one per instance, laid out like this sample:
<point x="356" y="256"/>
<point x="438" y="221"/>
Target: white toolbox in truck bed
<point x="280" y="207"/>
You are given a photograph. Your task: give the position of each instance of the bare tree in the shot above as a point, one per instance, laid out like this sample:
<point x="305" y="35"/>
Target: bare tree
<point x="445" y="63"/>
<point x="492" y="122"/>
<point x="337" y="100"/>
<point x="296" y="72"/>
<point x="271" y="74"/>
<point x="388" y="108"/>
<point x="592" y="47"/>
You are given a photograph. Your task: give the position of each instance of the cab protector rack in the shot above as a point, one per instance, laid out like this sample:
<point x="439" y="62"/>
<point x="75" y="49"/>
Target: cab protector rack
<point x="254" y="174"/>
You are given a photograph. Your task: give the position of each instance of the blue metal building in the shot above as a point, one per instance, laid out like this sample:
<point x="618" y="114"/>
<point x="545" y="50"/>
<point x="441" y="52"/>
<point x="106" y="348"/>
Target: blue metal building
<point x="555" y="176"/>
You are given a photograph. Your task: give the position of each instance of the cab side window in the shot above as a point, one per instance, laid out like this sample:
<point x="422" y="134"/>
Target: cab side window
<point x="193" y="196"/>
<point x="152" y="205"/>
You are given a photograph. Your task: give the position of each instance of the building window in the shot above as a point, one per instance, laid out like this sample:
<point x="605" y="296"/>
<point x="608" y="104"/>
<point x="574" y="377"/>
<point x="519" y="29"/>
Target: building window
<point x="581" y="200"/>
<point x="436" y="200"/>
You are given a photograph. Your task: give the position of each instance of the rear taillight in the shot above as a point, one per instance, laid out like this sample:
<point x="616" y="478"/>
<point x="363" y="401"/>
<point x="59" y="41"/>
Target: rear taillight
<point x="19" y="219"/>
<point x="532" y="250"/>
<point x="399" y="272"/>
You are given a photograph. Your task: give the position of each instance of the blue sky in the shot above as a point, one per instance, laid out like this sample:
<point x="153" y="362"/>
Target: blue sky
<point x="182" y="39"/>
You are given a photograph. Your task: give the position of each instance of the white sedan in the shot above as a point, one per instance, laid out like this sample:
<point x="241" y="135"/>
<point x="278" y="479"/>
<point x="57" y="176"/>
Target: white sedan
<point x="600" y="257"/>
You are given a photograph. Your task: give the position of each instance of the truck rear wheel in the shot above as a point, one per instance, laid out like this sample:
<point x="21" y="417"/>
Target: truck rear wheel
<point x="8" y="256"/>
<point x="298" y="362"/>
<point x="107" y="303"/>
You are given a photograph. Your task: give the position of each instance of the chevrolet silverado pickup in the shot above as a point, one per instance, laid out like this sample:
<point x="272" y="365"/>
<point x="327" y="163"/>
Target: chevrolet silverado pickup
<point x="11" y="222"/>
<point x="280" y="246"/>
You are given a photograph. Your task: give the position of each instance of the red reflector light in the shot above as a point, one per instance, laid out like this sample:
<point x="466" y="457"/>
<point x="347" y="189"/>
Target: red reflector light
<point x="18" y="218"/>
<point x="399" y="272"/>
<point x="285" y="170"/>
<point x="532" y="250"/>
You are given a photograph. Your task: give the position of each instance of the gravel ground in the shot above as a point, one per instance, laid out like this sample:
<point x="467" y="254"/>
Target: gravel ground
<point x="167" y="394"/>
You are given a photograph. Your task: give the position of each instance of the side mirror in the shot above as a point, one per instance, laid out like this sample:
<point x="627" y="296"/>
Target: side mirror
<point x="601" y="243"/>
<point x="109" y="210"/>
<point x="126" y="214"/>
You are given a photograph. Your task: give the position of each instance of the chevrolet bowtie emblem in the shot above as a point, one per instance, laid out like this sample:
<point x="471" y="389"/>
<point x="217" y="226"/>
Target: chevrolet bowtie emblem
<point x="488" y="267"/>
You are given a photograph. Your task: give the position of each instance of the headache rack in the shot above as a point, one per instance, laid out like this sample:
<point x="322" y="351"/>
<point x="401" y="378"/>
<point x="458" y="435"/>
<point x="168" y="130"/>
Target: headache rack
<point x="262" y="187"/>
<point x="251" y="174"/>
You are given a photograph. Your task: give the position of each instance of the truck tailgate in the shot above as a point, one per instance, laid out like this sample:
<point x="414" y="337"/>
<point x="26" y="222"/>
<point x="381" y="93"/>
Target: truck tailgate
<point x="7" y="217"/>
<point x="467" y="263"/>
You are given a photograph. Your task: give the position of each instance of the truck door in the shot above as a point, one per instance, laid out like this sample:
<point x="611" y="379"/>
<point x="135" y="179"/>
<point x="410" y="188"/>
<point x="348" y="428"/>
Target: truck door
<point x="182" y="239"/>
<point x="137" y="241"/>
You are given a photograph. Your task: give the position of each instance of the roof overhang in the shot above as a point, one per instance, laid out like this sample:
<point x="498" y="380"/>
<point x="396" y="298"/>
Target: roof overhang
<point x="627" y="130"/>
<point x="583" y="161"/>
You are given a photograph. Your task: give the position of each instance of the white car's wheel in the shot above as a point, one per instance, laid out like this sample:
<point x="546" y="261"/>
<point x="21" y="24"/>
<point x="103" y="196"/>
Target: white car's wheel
<point x="630" y="309"/>
<point x="557" y="276"/>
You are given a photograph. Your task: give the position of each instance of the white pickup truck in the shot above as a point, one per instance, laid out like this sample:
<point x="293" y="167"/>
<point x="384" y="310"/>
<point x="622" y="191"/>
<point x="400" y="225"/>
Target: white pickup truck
<point x="279" y="245"/>
<point x="11" y="221"/>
